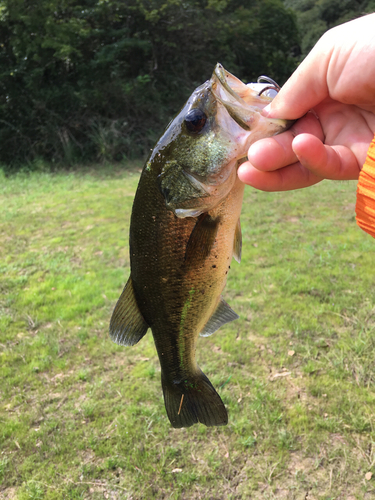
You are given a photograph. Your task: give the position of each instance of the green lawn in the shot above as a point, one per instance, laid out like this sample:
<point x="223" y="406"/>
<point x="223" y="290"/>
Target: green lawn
<point x="81" y="417"/>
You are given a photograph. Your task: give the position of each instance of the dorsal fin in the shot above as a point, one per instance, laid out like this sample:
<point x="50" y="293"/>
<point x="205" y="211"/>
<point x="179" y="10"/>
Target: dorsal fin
<point x="237" y="242"/>
<point x="127" y="325"/>
<point x="222" y="314"/>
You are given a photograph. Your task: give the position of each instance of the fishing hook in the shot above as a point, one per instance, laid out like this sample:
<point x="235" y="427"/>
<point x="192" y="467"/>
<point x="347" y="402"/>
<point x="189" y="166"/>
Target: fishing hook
<point x="267" y="79"/>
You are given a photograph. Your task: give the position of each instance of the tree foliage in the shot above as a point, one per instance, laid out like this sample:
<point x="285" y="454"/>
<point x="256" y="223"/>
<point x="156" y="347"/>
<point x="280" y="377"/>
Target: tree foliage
<point x="315" y="17"/>
<point x="99" y="79"/>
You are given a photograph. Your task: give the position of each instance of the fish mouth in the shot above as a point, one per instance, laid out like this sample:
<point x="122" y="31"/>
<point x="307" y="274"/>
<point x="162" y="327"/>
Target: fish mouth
<point x="234" y="90"/>
<point x="244" y="103"/>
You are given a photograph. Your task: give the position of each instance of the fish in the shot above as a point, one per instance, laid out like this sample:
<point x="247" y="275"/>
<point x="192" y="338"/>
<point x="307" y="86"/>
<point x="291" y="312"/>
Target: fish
<point x="184" y="230"/>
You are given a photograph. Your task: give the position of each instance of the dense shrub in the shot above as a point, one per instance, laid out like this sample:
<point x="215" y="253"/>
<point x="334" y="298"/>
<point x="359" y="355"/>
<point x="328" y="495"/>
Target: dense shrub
<point x="85" y="80"/>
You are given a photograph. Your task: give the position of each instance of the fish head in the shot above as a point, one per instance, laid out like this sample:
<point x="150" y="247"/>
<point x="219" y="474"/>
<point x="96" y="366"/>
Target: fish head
<point x="197" y="157"/>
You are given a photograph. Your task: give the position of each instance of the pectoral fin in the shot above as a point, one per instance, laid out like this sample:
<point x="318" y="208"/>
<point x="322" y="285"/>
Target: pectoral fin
<point x="127" y="325"/>
<point x="202" y="238"/>
<point x="237" y="243"/>
<point x="223" y="314"/>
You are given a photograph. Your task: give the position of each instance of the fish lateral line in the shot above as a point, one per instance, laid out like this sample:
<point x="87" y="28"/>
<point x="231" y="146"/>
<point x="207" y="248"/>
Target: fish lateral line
<point x="185" y="310"/>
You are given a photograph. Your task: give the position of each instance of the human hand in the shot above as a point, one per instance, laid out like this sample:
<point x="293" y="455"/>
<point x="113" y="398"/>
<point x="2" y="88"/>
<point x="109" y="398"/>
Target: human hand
<point x="336" y="82"/>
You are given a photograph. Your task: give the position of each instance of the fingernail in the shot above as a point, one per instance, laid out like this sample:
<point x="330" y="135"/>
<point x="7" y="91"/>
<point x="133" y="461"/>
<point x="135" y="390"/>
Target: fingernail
<point x="299" y="157"/>
<point x="266" y="111"/>
<point x="241" y="172"/>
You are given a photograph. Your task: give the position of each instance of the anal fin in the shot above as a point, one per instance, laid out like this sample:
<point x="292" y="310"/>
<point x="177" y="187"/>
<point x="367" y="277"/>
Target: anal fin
<point x="127" y="325"/>
<point x="222" y="314"/>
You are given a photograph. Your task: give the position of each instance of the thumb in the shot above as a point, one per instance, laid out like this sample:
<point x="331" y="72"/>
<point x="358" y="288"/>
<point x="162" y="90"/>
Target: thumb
<point x="306" y="88"/>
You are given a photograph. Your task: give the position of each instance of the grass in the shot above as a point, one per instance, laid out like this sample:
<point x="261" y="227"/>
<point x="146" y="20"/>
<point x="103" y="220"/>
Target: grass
<point x="83" y="418"/>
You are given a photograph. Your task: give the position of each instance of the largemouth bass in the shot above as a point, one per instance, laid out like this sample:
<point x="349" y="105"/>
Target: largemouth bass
<point x="184" y="231"/>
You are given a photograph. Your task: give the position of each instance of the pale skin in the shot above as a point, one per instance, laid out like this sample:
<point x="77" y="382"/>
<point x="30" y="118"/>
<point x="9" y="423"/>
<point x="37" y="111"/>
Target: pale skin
<point x="332" y="97"/>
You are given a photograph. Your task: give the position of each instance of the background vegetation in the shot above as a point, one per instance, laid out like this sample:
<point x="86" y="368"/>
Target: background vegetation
<point x="100" y="79"/>
<point x="314" y="17"/>
<point x="93" y="80"/>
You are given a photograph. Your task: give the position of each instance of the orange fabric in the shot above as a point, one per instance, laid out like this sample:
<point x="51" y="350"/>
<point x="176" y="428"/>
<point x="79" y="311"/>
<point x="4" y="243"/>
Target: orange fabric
<point x="365" y="207"/>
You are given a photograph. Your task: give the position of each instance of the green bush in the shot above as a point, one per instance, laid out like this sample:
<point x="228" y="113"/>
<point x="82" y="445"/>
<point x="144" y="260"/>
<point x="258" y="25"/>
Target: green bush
<point x="88" y="80"/>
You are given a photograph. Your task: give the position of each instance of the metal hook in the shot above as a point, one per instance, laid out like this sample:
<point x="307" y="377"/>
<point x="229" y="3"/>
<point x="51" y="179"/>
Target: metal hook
<point x="267" y="79"/>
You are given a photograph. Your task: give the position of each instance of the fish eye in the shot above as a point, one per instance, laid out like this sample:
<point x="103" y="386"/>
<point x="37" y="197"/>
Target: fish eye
<point x="195" y="120"/>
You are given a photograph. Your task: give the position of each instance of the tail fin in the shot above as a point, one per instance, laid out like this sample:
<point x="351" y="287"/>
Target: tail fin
<point x="193" y="400"/>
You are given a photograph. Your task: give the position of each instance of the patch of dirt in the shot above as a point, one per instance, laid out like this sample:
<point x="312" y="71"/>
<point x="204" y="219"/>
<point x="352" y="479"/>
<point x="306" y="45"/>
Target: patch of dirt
<point x="8" y="494"/>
